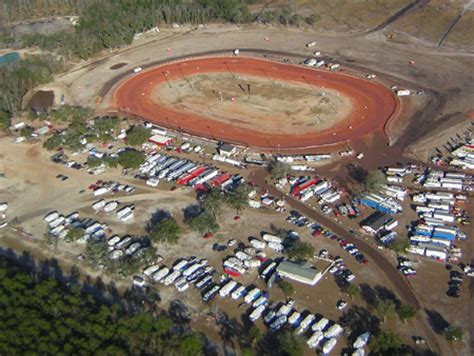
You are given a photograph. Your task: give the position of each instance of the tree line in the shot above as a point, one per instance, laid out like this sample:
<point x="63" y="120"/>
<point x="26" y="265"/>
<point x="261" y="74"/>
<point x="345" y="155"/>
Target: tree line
<point x="38" y="314"/>
<point x="16" y="79"/>
<point x="110" y="24"/>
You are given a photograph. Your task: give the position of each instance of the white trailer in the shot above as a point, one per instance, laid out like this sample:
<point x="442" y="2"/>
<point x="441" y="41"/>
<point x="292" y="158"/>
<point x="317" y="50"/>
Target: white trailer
<point x="127" y="216"/>
<point x="51" y="216"/>
<point x="444" y="216"/>
<point x="207" y="177"/>
<point x="227" y="288"/>
<point x="272" y="238"/>
<point x="160" y="274"/>
<point x="404" y="92"/>
<point x="258" y="244"/>
<point x="305" y="324"/>
<point x="237" y="293"/>
<point x="56" y="222"/>
<point x="294" y="317"/>
<point x="252" y="295"/>
<point x="101" y="191"/>
<point x="110" y="206"/>
<point x="329" y="345"/>
<point x="170" y="278"/>
<point x="268" y="269"/>
<point x="275" y="246"/>
<point x="361" y="340"/>
<point x="320" y="325"/>
<point x="334" y="331"/>
<point x="122" y="212"/>
<point x="440" y="255"/>
<point x="257" y="313"/>
<point x="315" y="339"/>
<point x="150" y="270"/>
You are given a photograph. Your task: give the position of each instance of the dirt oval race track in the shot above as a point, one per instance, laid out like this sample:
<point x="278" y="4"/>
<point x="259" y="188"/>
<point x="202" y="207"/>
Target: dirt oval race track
<point x="372" y="103"/>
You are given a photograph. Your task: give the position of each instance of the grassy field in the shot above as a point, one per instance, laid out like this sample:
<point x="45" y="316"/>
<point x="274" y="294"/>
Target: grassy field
<point x="428" y="23"/>
<point x="342" y="15"/>
<point x="432" y="21"/>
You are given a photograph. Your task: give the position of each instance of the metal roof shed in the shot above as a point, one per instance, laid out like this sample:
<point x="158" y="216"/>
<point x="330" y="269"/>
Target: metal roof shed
<point x="300" y="272"/>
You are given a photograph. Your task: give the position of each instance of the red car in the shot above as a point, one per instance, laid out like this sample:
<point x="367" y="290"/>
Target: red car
<point x="208" y="235"/>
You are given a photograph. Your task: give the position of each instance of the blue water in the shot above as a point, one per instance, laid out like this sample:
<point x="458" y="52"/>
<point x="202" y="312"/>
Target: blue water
<point x="9" y="58"/>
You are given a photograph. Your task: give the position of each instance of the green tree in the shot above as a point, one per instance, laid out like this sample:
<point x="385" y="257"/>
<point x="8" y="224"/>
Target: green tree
<point x="106" y="127"/>
<point x="53" y="142"/>
<point x="111" y="162"/>
<point x="312" y="19"/>
<point x="352" y="290"/>
<point x="399" y="245"/>
<point x="204" y="223"/>
<point x="290" y="344"/>
<point x="96" y="251"/>
<point x="301" y="250"/>
<point x="166" y="231"/>
<point x="69" y="114"/>
<point x="213" y="202"/>
<point x="72" y="139"/>
<point x="249" y="352"/>
<point x="406" y="312"/>
<point x="239" y="198"/>
<point x="255" y="335"/>
<point x="279" y="169"/>
<point x="385" y="308"/>
<point x="374" y="180"/>
<point x="131" y="159"/>
<point x="386" y="342"/>
<point x="26" y="131"/>
<point x="138" y="135"/>
<point x="16" y="79"/>
<point x="286" y="287"/>
<point x="454" y="333"/>
<point x="4" y="120"/>
<point x="40" y="315"/>
<point x="192" y="344"/>
<point x="74" y="234"/>
<point x="93" y="162"/>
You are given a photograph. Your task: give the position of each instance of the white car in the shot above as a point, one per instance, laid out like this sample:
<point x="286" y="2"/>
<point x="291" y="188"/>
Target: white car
<point x="138" y="281"/>
<point x="113" y="240"/>
<point x="360" y="155"/>
<point x="341" y="304"/>
<point x="231" y="242"/>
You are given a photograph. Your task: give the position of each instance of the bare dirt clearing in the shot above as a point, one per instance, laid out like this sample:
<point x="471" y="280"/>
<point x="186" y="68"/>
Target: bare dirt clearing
<point x="272" y="105"/>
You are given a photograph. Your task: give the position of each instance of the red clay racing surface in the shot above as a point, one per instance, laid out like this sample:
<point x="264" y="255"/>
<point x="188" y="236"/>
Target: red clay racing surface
<point x="372" y="103"/>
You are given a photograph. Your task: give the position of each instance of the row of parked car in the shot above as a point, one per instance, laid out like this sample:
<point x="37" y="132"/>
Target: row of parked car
<point x="101" y="187"/>
<point x="128" y="245"/>
<point x="184" y="272"/>
<point x="406" y="267"/>
<point x="454" y="284"/>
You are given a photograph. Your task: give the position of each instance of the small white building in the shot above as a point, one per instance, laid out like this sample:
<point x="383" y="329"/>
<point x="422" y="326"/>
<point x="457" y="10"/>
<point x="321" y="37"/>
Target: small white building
<point x="302" y="272"/>
<point x="227" y="150"/>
